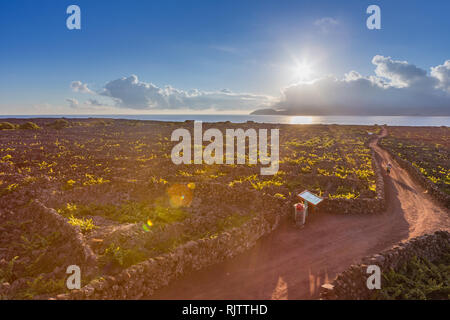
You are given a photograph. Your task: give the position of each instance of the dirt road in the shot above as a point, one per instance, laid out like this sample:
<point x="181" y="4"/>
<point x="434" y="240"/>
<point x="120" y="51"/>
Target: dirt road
<point x="293" y="264"/>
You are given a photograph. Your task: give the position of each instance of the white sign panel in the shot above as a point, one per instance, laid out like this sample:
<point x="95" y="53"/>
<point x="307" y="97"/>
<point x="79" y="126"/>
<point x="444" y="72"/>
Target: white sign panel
<point x="310" y="197"/>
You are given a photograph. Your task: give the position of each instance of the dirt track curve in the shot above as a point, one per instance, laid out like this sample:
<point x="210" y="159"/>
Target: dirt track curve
<point x="293" y="264"/>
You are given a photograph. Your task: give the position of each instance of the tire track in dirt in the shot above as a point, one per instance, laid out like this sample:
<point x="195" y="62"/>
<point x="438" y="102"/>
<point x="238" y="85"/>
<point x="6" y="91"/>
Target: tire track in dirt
<point x="293" y="264"/>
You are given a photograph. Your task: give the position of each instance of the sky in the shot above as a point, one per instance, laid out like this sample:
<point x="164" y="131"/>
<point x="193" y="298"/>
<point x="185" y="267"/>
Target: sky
<point x="211" y="56"/>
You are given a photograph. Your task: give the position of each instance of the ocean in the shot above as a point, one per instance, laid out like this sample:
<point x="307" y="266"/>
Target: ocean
<point x="349" y="120"/>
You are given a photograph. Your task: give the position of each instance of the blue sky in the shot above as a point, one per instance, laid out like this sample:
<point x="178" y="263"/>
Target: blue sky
<point x="250" y="48"/>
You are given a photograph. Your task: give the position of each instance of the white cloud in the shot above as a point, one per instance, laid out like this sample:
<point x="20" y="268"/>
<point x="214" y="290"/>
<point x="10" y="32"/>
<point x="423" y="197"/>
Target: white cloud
<point x="78" y="86"/>
<point x="94" y="103"/>
<point x="398" y="88"/>
<point x="129" y="92"/>
<point x="401" y="73"/>
<point x="73" y="103"/>
<point x="442" y="73"/>
<point x="326" y="24"/>
<point x="89" y="104"/>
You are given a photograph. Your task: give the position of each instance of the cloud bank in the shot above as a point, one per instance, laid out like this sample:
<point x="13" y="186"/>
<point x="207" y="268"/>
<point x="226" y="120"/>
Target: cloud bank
<point x="129" y="92"/>
<point x="397" y="88"/>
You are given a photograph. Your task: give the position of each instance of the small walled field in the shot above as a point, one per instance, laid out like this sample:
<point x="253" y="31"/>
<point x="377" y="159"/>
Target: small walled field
<point x="114" y="182"/>
<point x="417" y="269"/>
<point x="426" y="148"/>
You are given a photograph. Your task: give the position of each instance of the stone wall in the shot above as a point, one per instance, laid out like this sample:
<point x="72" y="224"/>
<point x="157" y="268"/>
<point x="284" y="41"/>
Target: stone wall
<point x="424" y="181"/>
<point x="351" y="284"/>
<point x="70" y="247"/>
<point x="75" y="244"/>
<point x="142" y="279"/>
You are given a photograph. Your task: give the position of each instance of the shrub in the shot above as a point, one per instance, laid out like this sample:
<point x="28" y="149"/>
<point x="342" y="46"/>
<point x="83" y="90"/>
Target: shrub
<point x="9" y="189"/>
<point x="418" y="279"/>
<point x="29" y="126"/>
<point x="7" y="274"/>
<point x="59" y="124"/>
<point x="42" y="286"/>
<point x="6" y="126"/>
<point x="85" y="224"/>
<point x="344" y="193"/>
<point x="121" y="257"/>
<point x="69" y="184"/>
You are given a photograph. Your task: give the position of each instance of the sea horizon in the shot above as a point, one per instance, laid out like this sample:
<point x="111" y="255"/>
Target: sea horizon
<point x="433" y="121"/>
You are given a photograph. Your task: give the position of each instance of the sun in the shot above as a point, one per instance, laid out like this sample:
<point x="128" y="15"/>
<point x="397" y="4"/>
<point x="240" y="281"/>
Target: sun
<point x="303" y="71"/>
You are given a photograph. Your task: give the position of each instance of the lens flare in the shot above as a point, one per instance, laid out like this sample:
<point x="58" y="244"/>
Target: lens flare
<point x="191" y="185"/>
<point x="146" y="226"/>
<point x="180" y="195"/>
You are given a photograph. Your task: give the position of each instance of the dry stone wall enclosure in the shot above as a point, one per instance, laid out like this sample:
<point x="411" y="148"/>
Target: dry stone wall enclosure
<point x="69" y="247"/>
<point x="144" y="278"/>
<point x="360" y="205"/>
<point x="351" y="284"/>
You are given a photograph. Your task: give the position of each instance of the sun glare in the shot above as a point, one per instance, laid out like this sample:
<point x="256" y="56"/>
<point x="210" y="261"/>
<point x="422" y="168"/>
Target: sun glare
<point x="301" y="120"/>
<point x="303" y="71"/>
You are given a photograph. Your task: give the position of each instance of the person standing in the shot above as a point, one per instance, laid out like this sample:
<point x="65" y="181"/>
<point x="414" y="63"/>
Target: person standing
<point x="388" y="168"/>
